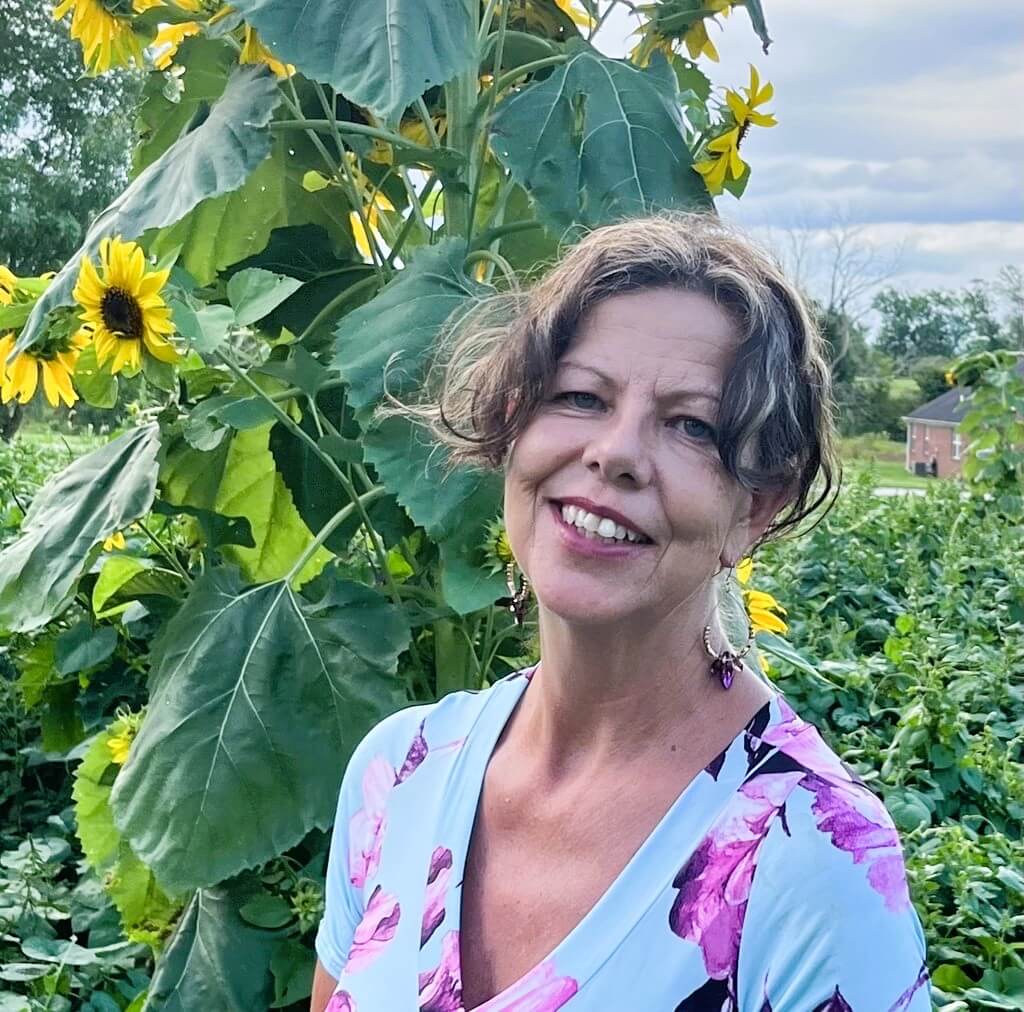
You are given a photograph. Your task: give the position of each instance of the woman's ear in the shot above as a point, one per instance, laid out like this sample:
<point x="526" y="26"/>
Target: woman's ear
<point x="763" y="507"/>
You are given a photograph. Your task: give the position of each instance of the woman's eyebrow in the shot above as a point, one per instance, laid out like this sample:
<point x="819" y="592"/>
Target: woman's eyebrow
<point x="672" y="395"/>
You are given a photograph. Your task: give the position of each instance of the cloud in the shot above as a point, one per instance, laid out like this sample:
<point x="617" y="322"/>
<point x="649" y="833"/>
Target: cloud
<point x="898" y="117"/>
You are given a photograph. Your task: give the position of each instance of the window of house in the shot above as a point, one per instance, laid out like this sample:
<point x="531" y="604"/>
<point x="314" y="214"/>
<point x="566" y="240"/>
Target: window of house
<point x="956" y="444"/>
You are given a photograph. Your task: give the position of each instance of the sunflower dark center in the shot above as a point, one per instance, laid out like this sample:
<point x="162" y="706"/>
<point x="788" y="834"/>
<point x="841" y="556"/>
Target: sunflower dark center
<point x="122" y="314"/>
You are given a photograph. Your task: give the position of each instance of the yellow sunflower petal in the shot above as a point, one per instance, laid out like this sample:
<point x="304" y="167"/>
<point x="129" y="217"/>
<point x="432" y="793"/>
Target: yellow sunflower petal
<point x="25" y="377"/>
<point x="762" y="599"/>
<point x="50" y="390"/>
<point x="161" y="349"/>
<point x="766" y="621"/>
<point x="125" y="354"/>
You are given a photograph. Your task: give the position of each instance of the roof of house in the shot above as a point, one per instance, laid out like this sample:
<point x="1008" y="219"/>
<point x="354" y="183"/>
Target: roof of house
<point x="947" y="407"/>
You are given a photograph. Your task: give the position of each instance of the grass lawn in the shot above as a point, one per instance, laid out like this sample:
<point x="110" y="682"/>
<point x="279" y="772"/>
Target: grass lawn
<point x="885" y="456"/>
<point x="79" y="443"/>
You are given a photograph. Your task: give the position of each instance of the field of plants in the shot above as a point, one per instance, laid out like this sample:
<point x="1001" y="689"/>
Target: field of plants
<point x="204" y="609"/>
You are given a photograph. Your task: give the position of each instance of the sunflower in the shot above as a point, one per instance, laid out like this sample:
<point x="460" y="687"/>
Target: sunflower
<point x="107" y="38"/>
<point x="124" y="306"/>
<point x="165" y="46"/>
<point x="761" y="606"/>
<point x="254" y="51"/>
<point x="54" y="359"/>
<point x="116" y="540"/>
<point x="496" y="546"/>
<point x="123" y="731"/>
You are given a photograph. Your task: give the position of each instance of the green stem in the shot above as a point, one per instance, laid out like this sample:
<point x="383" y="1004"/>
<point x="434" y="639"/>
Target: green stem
<point x="428" y="123"/>
<point x="345" y="127"/>
<point x="411" y="220"/>
<point x="460" y="103"/>
<point x="330" y="527"/>
<point x="336" y="303"/>
<point x="287" y="395"/>
<point x="329" y="462"/>
<point x="498" y="261"/>
<point x="166" y="553"/>
<point x="500" y="231"/>
<point x="501" y="83"/>
<point x="480" y="151"/>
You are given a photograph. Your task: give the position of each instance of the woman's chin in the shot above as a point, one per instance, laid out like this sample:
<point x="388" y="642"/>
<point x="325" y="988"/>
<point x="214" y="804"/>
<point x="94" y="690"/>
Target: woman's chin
<point x="577" y="604"/>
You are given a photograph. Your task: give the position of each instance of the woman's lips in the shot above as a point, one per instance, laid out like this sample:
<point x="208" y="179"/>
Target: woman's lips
<point x="577" y="541"/>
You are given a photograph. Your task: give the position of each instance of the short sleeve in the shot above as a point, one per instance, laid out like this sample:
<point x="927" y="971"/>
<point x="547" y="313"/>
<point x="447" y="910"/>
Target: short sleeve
<point x="829" y="926"/>
<point x="342" y="910"/>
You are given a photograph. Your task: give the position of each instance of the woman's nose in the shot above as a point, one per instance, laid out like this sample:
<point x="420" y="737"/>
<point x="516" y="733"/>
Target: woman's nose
<point x="620" y="449"/>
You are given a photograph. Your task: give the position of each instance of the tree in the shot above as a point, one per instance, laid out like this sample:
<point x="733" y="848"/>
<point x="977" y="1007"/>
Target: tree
<point x="65" y="139"/>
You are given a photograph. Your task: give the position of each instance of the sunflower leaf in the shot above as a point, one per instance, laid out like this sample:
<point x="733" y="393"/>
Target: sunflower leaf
<point x="215" y="157"/>
<point x="254" y="689"/>
<point x="382" y="56"/>
<point x="255" y="292"/>
<point x="64" y="528"/>
<point x="597" y="140"/>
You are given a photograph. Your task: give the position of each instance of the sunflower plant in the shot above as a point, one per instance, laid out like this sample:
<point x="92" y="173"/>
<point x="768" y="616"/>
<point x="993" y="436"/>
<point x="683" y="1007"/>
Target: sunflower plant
<point x="311" y="199"/>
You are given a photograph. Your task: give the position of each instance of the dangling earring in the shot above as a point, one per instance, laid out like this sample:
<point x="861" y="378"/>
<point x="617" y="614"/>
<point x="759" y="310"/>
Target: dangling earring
<point x="727" y="663"/>
<point x="517" y="599"/>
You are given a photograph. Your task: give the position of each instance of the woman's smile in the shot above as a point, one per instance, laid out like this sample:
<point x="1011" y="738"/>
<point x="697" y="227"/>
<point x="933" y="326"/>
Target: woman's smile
<point x="590" y="543"/>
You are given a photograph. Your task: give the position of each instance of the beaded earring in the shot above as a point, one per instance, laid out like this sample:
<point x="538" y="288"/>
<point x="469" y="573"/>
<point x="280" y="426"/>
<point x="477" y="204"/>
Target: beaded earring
<point x="726" y="663"/>
<point x="517" y="600"/>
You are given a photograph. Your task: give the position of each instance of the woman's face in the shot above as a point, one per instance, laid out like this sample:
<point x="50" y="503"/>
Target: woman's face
<point x="627" y="424"/>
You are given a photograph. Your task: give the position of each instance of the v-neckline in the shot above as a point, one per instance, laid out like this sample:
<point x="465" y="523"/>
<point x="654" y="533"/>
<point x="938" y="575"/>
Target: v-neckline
<point x="637" y="886"/>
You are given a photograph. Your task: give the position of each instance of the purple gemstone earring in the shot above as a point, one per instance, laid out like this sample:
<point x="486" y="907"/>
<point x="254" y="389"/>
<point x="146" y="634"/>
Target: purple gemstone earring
<point x="727" y="663"/>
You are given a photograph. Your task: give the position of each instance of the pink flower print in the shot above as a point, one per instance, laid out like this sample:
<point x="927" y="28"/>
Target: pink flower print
<point x="374" y="931"/>
<point x="834" y="1003"/>
<point x="714" y="884"/>
<point x="804" y="745"/>
<point x="441" y="988"/>
<point x="341" y="1001"/>
<point x="903" y="1002"/>
<point x="859" y="825"/>
<point x="437" y="886"/>
<point x="541" y="990"/>
<point x="416" y="754"/>
<point x="366" y="827"/>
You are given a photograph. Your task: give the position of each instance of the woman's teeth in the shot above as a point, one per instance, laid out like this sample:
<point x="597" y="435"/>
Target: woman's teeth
<point x="598" y="528"/>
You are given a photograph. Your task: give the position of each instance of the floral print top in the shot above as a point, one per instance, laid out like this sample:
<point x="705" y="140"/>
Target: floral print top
<point x="774" y="882"/>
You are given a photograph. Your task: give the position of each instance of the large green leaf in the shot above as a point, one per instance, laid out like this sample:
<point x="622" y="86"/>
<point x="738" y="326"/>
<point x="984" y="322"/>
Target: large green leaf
<point x="215" y="960"/>
<point x="215" y="157"/>
<point x="598" y="140"/>
<point x="453" y="511"/>
<point x="258" y="695"/>
<point x="225" y="229"/>
<point x="402" y="320"/>
<point x="381" y="55"/>
<point x="164" y="113"/>
<point x="251" y="487"/>
<point x="139" y="900"/>
<point x="67" y="522"/>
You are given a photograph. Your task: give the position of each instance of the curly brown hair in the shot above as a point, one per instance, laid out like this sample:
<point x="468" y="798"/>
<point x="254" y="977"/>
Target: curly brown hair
<point x="496" y="359"/>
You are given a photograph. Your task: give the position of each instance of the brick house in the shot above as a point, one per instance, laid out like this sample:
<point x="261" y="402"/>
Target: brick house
<point x="935" y="444"/>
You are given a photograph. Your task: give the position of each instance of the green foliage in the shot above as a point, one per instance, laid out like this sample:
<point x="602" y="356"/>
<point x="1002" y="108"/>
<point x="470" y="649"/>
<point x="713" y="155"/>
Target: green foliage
<point x="943" y="323"/>
<point x="65" y="140"/>
<point x="598" y="140"/>
<point x="995" y="426"/>
<point x="910" y="611"/>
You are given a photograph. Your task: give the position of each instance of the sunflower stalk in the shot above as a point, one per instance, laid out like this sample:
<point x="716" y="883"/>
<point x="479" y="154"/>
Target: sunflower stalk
<point x="166" y="553"/>
<point x="330" y="463"/>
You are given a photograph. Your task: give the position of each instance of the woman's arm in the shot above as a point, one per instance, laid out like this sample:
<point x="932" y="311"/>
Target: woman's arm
<point x="323" y="987"/>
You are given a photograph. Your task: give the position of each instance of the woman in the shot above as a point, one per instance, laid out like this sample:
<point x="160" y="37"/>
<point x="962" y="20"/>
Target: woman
<point x="638" y="821"/>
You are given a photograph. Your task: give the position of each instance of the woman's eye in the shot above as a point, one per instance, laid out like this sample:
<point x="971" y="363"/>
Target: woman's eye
<point x="703" y="430"/>
<point x="570" y="395"/>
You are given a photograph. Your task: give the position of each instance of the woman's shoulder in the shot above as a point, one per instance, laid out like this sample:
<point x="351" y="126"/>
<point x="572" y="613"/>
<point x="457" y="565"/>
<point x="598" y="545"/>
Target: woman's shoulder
<point x="828" y="811"/>
<point x="404" y="738"/>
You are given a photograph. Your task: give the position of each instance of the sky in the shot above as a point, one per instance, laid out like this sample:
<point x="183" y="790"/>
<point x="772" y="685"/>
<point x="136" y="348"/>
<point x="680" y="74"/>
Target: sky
<point x="900" y="123"/>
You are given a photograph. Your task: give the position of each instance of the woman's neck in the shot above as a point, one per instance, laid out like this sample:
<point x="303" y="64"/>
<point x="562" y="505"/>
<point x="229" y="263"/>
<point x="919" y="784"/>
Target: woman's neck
<point x="606" y="695"/>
